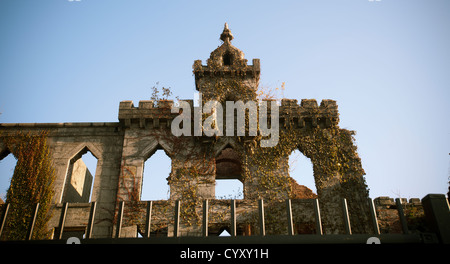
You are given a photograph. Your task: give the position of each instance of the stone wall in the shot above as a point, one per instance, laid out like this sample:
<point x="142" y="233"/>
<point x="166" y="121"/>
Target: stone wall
<point x="388" y="217"/>
<point x="67" y="142"/>
<point x="123" y="147"/>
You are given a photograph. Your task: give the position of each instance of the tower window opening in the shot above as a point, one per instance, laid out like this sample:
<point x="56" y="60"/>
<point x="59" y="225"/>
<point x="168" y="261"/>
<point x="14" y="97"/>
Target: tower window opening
<point x="227" y="59"/>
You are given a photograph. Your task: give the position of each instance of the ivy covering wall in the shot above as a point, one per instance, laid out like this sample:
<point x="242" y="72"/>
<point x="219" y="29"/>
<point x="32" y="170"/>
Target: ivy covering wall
<point x="31" y="183"/>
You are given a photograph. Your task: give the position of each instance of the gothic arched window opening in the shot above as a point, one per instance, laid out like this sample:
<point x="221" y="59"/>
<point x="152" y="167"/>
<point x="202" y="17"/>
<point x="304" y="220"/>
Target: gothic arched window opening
<point x="156" y="170"/>
<point x="80" y="178"/>
<point x="7" y="166"/>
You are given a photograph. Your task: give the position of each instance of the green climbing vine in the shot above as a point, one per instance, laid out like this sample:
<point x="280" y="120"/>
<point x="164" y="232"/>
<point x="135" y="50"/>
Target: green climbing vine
<point x="265" y="171"/>
<point x="31" y="183"/>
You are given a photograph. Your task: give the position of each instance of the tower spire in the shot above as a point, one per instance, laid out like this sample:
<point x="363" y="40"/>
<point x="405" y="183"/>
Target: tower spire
<point x="226" y="35"/>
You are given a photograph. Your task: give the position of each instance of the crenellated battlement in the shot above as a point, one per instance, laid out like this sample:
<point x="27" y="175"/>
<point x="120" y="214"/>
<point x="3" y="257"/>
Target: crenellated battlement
<point x="214" y="66"/>
<point x="388" y="215"/>
<point x="146" y="113"/>
<point x="307" y="114"/>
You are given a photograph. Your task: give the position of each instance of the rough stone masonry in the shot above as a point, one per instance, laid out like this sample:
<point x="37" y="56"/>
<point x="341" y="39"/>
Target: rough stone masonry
<point x="122" y="147"/>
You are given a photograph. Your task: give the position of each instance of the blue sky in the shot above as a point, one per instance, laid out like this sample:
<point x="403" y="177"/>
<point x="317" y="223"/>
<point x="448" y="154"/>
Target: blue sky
<point x="386" y="63"/>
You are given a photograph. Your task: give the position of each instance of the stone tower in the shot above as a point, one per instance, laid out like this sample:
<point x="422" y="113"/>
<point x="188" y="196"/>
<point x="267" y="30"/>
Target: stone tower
<point x="227" y="69"/>
<point x="198" y="161"/>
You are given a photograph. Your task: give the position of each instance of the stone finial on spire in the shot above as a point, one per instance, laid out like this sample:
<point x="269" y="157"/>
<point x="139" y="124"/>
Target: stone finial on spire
<point x="226" y="35"/>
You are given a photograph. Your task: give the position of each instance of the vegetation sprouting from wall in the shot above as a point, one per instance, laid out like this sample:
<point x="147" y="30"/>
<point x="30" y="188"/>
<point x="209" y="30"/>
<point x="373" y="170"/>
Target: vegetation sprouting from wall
<point x="31" y="183"/>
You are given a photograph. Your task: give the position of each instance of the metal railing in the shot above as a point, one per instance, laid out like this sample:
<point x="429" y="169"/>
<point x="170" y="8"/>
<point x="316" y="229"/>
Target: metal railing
<point x="319" y="237"/>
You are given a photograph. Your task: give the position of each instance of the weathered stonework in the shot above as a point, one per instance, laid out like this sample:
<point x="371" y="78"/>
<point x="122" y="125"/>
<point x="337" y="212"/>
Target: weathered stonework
<point x="122" y="148"/>
<point x="70" y="140"/>
<point x="388" y="218"/>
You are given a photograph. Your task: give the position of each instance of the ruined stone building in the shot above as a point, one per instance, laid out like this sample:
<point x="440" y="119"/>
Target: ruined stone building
<point x="122" y="148"/>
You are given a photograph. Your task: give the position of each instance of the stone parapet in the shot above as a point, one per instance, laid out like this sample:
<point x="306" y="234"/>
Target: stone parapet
<point x="388" y="216"/>
<point x="238" y="69"/>
<point x="307" y="114"/>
